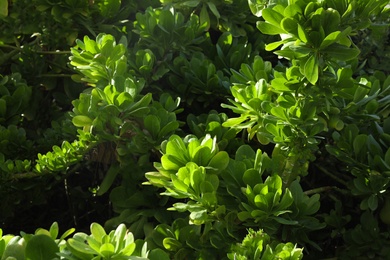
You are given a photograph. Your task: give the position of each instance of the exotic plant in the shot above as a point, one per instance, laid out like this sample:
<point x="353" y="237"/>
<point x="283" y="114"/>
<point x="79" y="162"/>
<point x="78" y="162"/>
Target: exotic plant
<point x="211" y="129"/>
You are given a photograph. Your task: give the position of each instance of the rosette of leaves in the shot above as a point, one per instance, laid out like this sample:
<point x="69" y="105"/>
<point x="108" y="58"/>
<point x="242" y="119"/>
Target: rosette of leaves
<point x="231" y="52"/>
<point x="101" y="61"/>
<point x="366" y="239"/>
<point x="258" y="245"/>
<point x="182" y="240"/>
<point x="189" y="169"/>
<point x="212" y="124"/>
<point x="118" y="244"/>
<point x="167" y="32"/>
<point x="219" y="15"/>
<point x="266" y="203"/>
<point x="198" y="80"/>
<point x="43" y="244"/>
<point x="273" y="113"/>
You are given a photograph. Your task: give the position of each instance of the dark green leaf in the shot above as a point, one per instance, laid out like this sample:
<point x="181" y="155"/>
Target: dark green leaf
<point x="311" y="69"/>
<point x="41" y="247"/>
<point x="341" y="52"/>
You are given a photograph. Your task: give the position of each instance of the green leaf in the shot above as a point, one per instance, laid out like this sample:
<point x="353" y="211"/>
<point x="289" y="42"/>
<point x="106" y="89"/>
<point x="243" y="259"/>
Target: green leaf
<point x="54" y="230"/>
<point x="373" y="146"/>
<point x="97" y="232"/>
<point x="129" y="249"/>
<point x="341" y="52"/>
<point x="330" y="39"/>
<point x="280" y="112"/>
<point x="290" y="25"/>
<point x="191" y="3"/>
<point x="179" y="185"/>
<point x="67" y="233"/>
<point x="257" y="7"/>
<point x="41" y="247"/>
<point x="202" y="156"/>
<point x="108" y="8"/>
<point x="168" y="129"/>
<point x="139" y="108"/>
<point x="213" y="9"/>
<point x="108" y="179"/>
<point x="220" y="161"/>
<point x="204" y="17"/>
<point x="3" y="8"/>
<point x="80" y="246"/>
<point x="176" y="148"/>
<point x="311" y="69"/>
<point x="245" y="152"/>
<point x="152" y="124"/>
<point x="81" y="121"/>
<point x="119" y="236"/>
<point x="272" y="17"/>
<point x="360" y="144"/>
<point x="302" y="35"/>
<point x="107" y="250"/>
<point x="286" y="201"/>
<point x="14" y="248"/>
<point x="269" y="29"/>
<point x="171" y="244"/>
<point x="199" y="216"/>
<point x="251" y="177"/>
<point x="273" y="45"/>
<point x="157" y="253"/>
<point x="373" y="202"/>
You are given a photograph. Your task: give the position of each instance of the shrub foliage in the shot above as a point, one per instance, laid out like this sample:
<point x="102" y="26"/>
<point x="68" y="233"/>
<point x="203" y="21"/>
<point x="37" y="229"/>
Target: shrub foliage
<point x="224" y="129"/>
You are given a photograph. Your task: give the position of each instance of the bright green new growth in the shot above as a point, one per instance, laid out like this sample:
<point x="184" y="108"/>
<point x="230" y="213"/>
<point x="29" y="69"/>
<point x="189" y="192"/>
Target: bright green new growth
<point x="257" y="245"/>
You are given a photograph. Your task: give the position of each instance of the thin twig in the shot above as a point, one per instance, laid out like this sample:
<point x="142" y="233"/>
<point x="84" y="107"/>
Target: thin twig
<point x="331" y="175"/>
<point x="319" y="190"/>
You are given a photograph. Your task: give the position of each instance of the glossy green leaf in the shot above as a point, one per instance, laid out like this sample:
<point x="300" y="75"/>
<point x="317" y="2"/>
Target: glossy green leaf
<point x="290" y="25"/>
<point x="80" y="246"/>
<point x="302" y="35"/>
<point x="219" y="161"/>
<point x="157" y="253"/>
<point x="330" y="39"/>
<point x="311" y="69"/>
<point x="81" y="121"/>
<point x="97" y="232"/>
<point x="152" y="124"/>
<point x="171" y="244"/>
<point x="129" y="249"/>
<point x="41" y="247"/>
<point x="341" y="52"/>
<point x="54" y="230"/>
<point x="279" y="112"/>
<point x="107" y="249"/>
<point x="108" y="180"/>
<point x="14" y="248"/>
<point x="202" y="156"/>
<point x="272" y="17"/>
<point x="176" y="147"/>
<point x="269" y="29"/>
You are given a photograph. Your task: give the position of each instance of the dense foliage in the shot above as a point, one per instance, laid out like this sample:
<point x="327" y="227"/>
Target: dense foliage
<point x="224" y="129"/>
